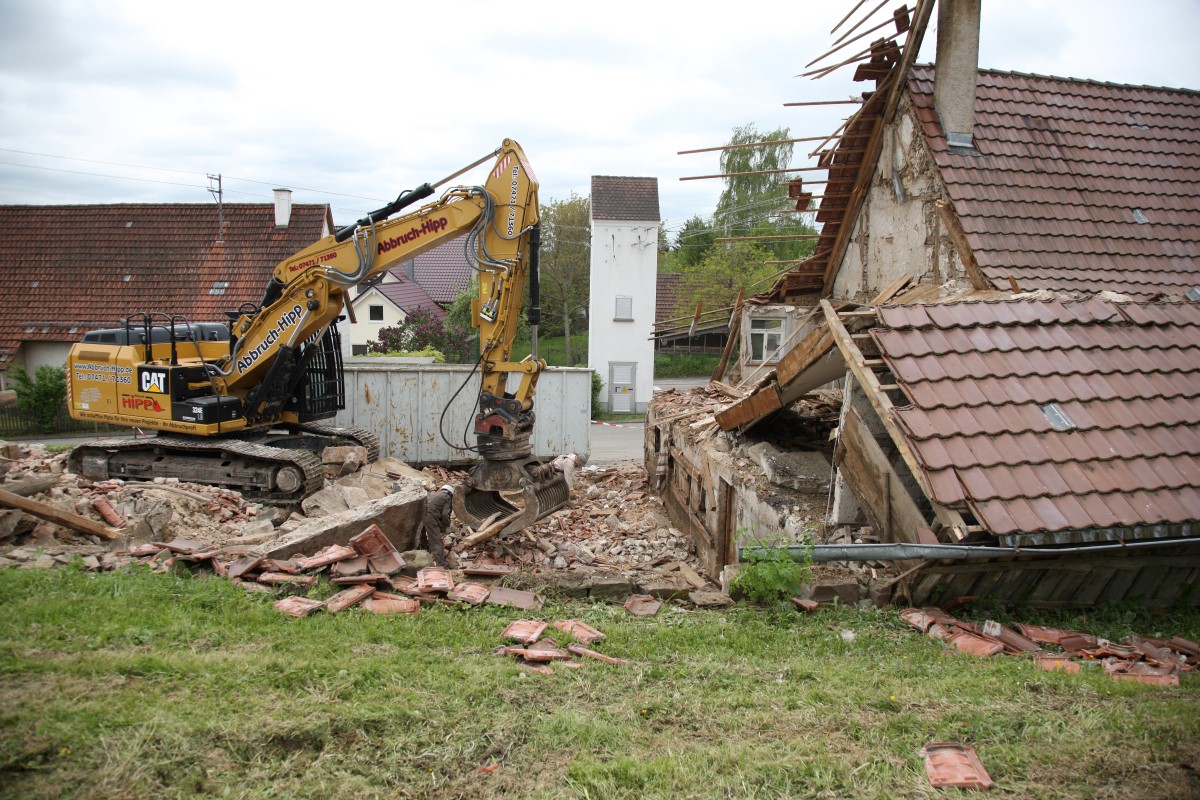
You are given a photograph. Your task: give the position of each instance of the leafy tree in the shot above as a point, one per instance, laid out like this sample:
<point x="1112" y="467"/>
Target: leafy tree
<point x="747" y="199"/>
<point x="41" y="396"/>
<point x="693" y="242"/>
<point x="565" y="264"/>
<point x="724" y="271"/>
<point x="750" y="204"/>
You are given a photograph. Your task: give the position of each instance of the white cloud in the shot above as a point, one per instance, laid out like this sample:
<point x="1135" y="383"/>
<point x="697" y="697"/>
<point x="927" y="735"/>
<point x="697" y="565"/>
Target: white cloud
<point x="368" y="98"/>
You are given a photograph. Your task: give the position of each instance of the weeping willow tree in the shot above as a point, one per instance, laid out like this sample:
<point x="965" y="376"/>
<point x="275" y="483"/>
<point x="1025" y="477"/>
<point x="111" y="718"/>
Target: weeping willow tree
<point x="751" y="205"/>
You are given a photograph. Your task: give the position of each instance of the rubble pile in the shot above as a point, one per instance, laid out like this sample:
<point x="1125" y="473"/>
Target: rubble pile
<point x="1143" y="659"/>
<point x="615" y="525"/>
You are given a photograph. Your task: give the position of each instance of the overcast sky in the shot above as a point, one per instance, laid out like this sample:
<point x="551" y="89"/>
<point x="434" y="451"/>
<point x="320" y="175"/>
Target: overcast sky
<point x="348" y="103"/>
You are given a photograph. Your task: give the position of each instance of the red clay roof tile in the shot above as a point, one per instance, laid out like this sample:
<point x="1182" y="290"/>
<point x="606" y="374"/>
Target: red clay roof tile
<point x="1126" y="375"/>
<point x="625" y="199"/>
<point x="1061" y="165"/>
<point x="69" y="269"/>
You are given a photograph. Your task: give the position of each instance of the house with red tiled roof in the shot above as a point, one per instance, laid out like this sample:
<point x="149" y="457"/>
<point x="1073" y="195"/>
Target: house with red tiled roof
<point x="383" y="305"/>
<point x="1005" y="293"/>
<point x="69" y="269"/>
<point x="431" y="280"/>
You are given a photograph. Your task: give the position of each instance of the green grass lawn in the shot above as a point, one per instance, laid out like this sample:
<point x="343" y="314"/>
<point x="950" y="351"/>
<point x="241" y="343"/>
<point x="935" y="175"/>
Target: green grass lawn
<point x="142" y="685"/>
<point x="554" y="350"/>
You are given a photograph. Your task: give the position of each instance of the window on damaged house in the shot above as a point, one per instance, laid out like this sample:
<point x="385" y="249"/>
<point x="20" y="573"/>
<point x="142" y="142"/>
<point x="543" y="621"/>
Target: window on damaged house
<point x="766" y="335"/>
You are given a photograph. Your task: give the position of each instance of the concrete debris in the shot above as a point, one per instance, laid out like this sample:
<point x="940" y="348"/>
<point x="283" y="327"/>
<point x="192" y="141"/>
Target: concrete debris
<point x="1139" y="658"/>
<point x="525" y="601"/>
<point x="615" y="525"/>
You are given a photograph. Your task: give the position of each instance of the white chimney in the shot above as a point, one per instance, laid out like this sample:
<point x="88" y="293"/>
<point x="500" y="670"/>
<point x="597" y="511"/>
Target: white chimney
<point x="957" y="69"/>
<point x="283" y="207"/>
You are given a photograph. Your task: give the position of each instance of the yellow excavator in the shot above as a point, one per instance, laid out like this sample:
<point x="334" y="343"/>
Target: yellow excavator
<point x="241" y="405"/>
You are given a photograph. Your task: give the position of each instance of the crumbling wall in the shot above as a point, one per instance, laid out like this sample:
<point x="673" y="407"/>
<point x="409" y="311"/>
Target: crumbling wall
<point x="898" y="231"/>
<point x="725" y="492"/>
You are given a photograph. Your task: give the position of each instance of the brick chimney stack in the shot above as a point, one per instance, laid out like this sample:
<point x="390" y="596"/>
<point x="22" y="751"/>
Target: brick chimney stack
<point x="957" y="69"/>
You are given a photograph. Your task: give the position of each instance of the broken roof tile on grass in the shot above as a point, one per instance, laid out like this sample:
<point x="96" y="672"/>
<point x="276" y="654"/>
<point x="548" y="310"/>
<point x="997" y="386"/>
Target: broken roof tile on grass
<point x="1047" y="416"/>
<point x="580" y="630"/>
<point x="385" y="603"/>
<point x="524" y="630"/>
<point x="642" y="605"/>
<point x="954" y="764"/>
<point x="297" y="606"/>
<point x="348" y="598"/>
<point x="472" y="593"/>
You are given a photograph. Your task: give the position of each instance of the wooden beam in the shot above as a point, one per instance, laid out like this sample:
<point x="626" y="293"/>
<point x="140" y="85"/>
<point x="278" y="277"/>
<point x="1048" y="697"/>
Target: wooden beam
<point x="752" y="172"/>
<point x="762" y="403"/>
<point x="735" y="327"/>
<point x="751" y="144"/>
<point x="896" y="85"/>
<point x="959" y="237"/>
<point x="876" y="484"/>
<point x="67" y="519"/>
<point x="852" y="101"/>
<point x="867" y="32"/>
<point x="849" y="14"/>
<point x="861" y="21"/>
<point x="777" y="238"/>
<point x="891" y="290"/>
<point x="883" y="407"/>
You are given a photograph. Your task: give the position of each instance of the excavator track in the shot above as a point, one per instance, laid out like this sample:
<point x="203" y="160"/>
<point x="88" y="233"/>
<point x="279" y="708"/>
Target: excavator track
<point x="265" y="474"/>
<point x="361" y="435"/>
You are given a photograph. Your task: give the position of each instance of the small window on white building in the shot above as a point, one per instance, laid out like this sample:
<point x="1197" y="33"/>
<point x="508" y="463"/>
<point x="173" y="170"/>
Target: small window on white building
<point x="766" y="335"/>
<point x="624" y="308"/>
<point x="376" y="313"/>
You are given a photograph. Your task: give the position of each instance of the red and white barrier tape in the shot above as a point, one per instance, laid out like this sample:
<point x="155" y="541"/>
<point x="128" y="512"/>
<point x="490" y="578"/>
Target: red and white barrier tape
<point x="615" y="425"/>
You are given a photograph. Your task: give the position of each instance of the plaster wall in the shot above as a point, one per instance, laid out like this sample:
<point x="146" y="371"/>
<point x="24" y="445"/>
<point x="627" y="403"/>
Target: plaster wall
<point x="898" y="232"/>
<point x="624" y="263"/>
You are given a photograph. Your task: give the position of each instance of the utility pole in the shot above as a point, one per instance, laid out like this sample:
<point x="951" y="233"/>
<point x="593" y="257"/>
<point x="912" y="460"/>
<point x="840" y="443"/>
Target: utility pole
<point x="218" y="192"/>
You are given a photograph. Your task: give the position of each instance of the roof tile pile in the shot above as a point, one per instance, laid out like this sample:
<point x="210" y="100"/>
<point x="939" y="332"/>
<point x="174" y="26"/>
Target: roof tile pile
<point x="1120" y="447"/>
<point x="1077" y="185"/>
<point x="625" y="199"/>
<point x="68" y="269"/>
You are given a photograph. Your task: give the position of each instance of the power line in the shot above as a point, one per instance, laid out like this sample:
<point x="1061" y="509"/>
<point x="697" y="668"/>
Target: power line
<point x="162" y="169"/>
<point x="101" y="175"/>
